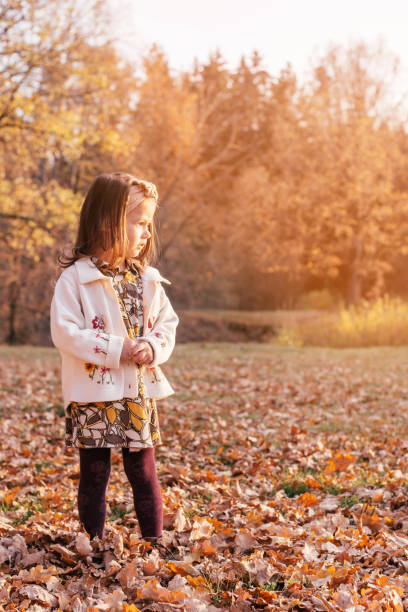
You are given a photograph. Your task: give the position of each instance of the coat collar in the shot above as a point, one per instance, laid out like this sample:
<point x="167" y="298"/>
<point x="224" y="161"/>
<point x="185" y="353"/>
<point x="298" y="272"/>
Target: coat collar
<point x="88" y="272"/>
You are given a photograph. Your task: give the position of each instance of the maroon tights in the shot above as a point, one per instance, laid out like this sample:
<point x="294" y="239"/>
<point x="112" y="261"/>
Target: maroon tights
<point x="140" y="469"/>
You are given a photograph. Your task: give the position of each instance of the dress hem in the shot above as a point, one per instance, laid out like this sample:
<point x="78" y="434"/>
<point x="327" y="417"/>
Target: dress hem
<point x="131" y="448"/>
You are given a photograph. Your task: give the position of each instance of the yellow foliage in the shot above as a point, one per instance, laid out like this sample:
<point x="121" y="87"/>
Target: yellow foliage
<point x="382" y="322"/>
<point x="289" y="337"/>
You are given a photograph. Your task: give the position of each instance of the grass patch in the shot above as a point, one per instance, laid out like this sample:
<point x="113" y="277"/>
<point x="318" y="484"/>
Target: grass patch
<point x="31" y="506"/>
<point x="59" y="409"/>
<point x="5" y="507"/>
<point x="39" y="466"/>
<point x="273" y="585"/>
<point x="118" y="511"/>
<point x="350" y="500"/>
<point x="294" y="487"/>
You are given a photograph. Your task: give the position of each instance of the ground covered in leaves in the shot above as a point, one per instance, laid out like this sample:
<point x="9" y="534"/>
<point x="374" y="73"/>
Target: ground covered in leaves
<point x="284" y="482"/>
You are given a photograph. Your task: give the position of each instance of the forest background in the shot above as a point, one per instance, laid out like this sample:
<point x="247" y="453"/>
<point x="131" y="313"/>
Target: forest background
<point x="268" y="188"/>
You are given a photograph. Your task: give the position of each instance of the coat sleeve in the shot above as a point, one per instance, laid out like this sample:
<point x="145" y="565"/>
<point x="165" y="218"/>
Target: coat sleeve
<point x="68" y="331"/>
<point x="162" y="335"/>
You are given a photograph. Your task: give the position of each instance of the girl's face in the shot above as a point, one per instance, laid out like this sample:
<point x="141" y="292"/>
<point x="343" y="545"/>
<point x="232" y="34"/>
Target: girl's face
<point x="139" y="218"/>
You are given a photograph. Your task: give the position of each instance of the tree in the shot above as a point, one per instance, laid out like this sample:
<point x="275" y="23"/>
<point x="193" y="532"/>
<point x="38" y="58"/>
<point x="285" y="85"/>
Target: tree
<point x="64" y="97"/>
<point x="331" y="206"/>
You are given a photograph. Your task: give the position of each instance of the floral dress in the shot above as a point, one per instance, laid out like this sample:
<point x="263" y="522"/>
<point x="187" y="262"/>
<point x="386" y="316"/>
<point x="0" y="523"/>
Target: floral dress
<point x="132" y="421"/>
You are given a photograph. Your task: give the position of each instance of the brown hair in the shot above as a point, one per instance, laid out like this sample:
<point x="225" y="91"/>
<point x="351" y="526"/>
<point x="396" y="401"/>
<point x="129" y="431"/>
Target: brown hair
<point x="102" y="220"/>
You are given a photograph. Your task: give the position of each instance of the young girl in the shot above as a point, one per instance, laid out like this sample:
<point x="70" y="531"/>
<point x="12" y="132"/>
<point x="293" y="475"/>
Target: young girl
<point x="113" y="324"/>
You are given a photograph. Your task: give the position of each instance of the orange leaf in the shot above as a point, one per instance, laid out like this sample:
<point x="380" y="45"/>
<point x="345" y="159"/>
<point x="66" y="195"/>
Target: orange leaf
<point x="207" y="548"/>
<point x="339" y="463"/>
<point x="312" y="483"/>
<point x="195" y="582"/>
<point x="267" y="596"/>
<point x="307" y="499"/>
<point x="9" y="497"/>
<point x="153" y="590"/>
<point x="208" y="476"/>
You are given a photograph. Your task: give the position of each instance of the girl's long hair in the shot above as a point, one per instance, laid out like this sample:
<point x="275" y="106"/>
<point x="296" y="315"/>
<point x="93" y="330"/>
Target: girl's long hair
<point x="102" y="220"/>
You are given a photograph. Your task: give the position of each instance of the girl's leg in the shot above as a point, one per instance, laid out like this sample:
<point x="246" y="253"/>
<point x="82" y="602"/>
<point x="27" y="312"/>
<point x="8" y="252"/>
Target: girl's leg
<point x="93" y="480"/>
<point x="140" y="468"/>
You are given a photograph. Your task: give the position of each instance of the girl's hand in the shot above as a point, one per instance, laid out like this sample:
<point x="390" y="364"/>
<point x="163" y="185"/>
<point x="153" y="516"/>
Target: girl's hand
<point x="143" y="353"/>
<point x="128" y="347"/>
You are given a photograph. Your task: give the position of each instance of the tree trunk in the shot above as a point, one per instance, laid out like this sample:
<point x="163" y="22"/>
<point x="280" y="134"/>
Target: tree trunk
<point x="14" y="292"/>
<point x="354" y="285"/>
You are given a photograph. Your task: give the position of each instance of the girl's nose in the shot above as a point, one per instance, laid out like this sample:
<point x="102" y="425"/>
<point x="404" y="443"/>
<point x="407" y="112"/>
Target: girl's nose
<point x="146" y="233"/>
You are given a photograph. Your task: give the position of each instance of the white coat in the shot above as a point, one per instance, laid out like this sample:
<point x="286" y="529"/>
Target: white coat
<point x="87" y="328"/>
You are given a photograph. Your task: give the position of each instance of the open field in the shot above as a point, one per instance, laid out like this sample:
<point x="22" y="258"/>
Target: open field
<point x="284" y="481"/>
